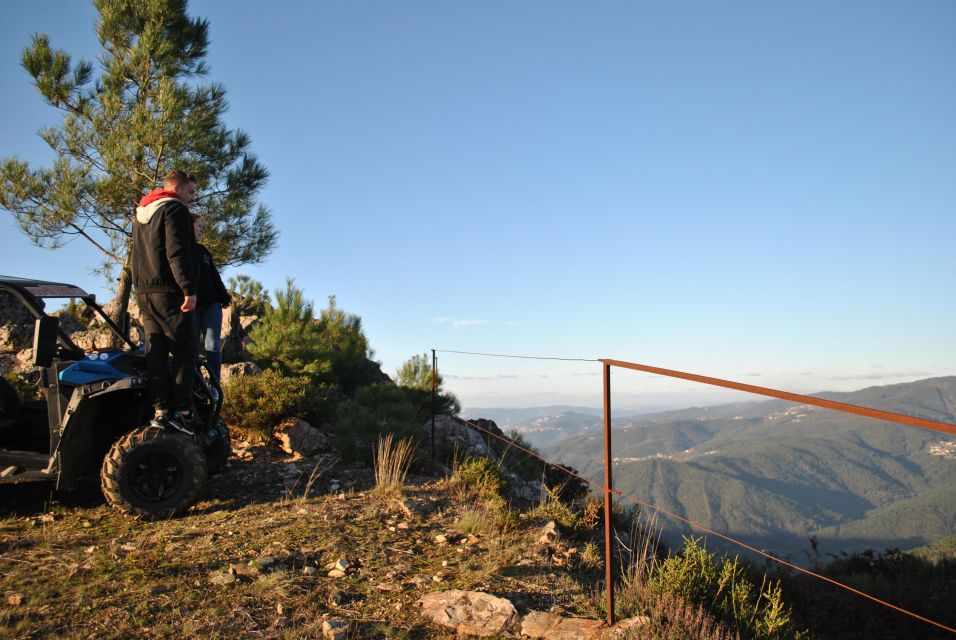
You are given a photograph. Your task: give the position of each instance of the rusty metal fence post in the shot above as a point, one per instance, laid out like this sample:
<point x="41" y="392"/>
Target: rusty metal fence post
<point x="608" y="534"/>
<point x="434" y="398"/>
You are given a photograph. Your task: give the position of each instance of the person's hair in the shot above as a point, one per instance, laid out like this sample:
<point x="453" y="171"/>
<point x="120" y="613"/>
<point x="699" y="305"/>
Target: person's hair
<point x="176" y="178"/>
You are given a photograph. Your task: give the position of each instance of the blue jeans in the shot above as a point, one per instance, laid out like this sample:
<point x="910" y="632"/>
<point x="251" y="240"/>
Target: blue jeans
<point x="209" y="326"/>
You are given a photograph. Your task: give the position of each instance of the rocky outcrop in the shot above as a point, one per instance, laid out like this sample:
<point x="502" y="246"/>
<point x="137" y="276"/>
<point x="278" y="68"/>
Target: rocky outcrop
<point x="538" y="624"/>
<point x="298" y="437"/>
<point x="97" y="339"/>
<point x="469" y="612"/>
<point x="236" y="369"/>
<point x="456" y="435"/>
<point x="12" y="311"/>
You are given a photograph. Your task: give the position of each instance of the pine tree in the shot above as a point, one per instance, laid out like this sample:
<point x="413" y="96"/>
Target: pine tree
<point x="347" y="345"/>
<point x="144" y="113"/>
<point x="288" y="339"/>
<point x="249" y="297"/>
<point x="416" y="373"/>
<point x="415" y="378"/>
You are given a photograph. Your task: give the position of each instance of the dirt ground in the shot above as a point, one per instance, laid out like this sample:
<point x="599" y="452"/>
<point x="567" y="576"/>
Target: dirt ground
<point x="252" y="559"/>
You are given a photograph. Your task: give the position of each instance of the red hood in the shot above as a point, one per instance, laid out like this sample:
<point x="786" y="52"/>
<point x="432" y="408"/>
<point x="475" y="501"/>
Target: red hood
<point x="156" y="194"/>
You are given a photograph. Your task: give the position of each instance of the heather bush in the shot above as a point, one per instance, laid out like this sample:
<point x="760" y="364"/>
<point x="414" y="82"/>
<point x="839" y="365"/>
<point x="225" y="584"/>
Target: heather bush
<point x="255" y="404"/>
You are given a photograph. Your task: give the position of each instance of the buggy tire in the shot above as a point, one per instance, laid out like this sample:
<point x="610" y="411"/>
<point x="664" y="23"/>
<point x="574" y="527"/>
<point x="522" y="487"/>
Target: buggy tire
<point x="219" y="450"/>
<point x="153" y="473"/>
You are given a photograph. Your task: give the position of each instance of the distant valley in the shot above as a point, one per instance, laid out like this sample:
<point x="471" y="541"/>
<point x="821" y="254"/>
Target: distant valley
<point x="775" y="473"/>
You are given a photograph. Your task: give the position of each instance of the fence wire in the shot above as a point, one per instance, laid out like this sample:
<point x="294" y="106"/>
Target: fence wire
<point x="696" y="525"/>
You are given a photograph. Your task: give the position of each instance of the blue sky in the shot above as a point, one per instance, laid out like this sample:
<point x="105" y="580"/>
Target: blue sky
<point x="750" y="190"/>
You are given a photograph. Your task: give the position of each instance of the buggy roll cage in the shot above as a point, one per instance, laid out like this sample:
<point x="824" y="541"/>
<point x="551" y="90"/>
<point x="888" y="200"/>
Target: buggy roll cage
<point x="32" y="292"/>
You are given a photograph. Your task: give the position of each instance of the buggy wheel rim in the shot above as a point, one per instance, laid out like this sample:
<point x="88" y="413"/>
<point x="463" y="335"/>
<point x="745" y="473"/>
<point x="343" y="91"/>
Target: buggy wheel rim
<point x="155" y="475"/>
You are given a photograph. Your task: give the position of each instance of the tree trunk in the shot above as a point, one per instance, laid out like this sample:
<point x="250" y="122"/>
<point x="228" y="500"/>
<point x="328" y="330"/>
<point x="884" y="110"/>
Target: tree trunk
<point x="123" y="291"/>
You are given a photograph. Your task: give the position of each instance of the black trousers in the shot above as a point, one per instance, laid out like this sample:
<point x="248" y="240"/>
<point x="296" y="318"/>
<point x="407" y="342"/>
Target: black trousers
<point x="169" y="331"/>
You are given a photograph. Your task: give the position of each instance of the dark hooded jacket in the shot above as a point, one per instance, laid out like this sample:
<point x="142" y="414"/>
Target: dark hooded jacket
<point x="164" y="246"/>
<point x="211" y="290"/>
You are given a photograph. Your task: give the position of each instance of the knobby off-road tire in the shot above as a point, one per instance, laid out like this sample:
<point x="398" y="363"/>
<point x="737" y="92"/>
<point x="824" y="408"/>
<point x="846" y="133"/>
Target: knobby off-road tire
<point x="217" y="453"/>
<point x="154" y="473"/>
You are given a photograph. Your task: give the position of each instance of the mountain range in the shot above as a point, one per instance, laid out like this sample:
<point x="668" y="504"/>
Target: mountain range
<point x="776" y="474"/>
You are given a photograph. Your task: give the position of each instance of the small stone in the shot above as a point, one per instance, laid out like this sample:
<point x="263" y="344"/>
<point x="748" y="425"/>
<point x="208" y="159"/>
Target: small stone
<point x="444" y="563"/>
<point x="441" y="538"/>
<point x="129" y="546"/>
<point x="223" y="577"/>
<point x="336" y="598"/>
<point x="549" y="534"/>
<point x="621" y="629"/>
<point x="262" y="562"/>
<point x="334" y="629"/>
<point x="87" y="524"/>
<point x="309" y="571"/>
<point x="89" y="550"/>
<point x="48" y="517"/>
<point x="280" y="609"/>
<point x="336" y="573"/>
<point x="438" y="577"/>
<point x="16" y="599"/>
<point x="403" y="525"/>
<point x="342" y="565"/>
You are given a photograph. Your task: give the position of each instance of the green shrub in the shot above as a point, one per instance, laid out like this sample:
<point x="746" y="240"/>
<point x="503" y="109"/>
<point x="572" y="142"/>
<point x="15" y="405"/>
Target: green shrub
<point x="553" y="508"/>
<point x="321" y="402"/>
<point x="26" y="391"/>
<point x="480" y="477"/>
<point x="255" y="404"/>
<point x="724" y="588"/>
<point x="374" y="411"/>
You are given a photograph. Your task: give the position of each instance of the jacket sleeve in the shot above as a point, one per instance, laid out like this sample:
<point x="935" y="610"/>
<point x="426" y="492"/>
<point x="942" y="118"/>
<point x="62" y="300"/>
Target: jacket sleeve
<point x="221" y="292"/>
<point x="181" y="248"/>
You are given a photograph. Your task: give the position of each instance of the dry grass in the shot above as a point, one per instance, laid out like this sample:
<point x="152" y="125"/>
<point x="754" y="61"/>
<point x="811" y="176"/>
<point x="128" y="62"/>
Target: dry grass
<point x="91" y="572"/>
<point x="392" y="461"/>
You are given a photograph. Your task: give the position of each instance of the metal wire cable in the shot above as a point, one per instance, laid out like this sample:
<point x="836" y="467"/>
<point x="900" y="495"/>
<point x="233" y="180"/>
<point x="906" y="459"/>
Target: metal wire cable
<point x="702" y="528"/>
<point x="506" y="355"/>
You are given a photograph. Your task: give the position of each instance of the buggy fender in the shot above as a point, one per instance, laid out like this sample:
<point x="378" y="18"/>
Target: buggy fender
<point x="97" y="415"/>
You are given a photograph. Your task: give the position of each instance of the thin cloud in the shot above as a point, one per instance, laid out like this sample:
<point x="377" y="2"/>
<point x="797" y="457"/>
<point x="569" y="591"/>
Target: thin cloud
<point x="460" y="322"/>
<point x="880" y="376"/>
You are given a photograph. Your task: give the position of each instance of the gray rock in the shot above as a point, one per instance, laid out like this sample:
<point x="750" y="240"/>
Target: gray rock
<point x="469" y="612"/>
<point x="538" y="624"/>
<point x="334" y="629"/>
<point x="15" y="337"/>
<point x="238" y="369"/>
<point x="621" y="629"/>
<point x="549" y="533"/>
<point x="299" y="437"/>
<point x="96" y="339"/>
